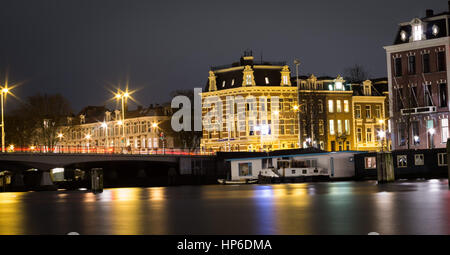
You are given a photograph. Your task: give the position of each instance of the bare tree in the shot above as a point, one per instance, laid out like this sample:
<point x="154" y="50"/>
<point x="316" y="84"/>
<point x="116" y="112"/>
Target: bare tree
<point x="355" y="73"/>
<point x="37" y="121"/>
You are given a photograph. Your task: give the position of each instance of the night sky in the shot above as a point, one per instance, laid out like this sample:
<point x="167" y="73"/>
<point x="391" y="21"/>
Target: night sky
<point x="77" y="47"/>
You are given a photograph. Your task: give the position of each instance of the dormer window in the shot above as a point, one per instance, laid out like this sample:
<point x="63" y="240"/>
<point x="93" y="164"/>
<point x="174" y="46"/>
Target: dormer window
<point x="248" y="79"/>
<point x="232" y="82"/>
<point x="285" y="80"/>
<point x="403" y="35"/>
<point x="367" y="88"/>
<point x="267" y="80"/>
<point x="223" y="84"/>
<point x="435" y="30"/>
<point x="417" y="32"/>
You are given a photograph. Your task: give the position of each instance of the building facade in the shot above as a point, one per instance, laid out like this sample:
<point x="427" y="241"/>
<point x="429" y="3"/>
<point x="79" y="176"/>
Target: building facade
<point x="97" y="129"/>
<point x="325" y="107"/>
<point x="370" y="115"/>
<point x="418" y="74"/>
<point x="258" y="104"/>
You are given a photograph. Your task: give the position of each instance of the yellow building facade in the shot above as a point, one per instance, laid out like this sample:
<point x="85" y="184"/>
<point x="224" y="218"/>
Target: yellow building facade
<point x="263" y="103"/>
<point x="334" y="115"/>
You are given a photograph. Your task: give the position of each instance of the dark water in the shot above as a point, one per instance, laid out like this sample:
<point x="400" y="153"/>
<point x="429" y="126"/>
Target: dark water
<point x="421" y="207"/>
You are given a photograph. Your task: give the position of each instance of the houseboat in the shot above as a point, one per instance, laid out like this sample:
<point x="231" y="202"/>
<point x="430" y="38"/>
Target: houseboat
<point x="292" y="166"/>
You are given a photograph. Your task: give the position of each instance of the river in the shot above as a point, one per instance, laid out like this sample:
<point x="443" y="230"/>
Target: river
<point x="406" y="207"/>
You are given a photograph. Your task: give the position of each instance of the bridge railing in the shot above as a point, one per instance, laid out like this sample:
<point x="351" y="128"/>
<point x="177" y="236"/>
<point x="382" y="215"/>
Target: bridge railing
<point x="108" y="150"/>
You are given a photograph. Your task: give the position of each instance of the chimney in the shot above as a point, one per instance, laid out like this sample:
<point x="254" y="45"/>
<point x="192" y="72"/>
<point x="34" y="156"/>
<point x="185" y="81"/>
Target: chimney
<point x="429" y="12"/>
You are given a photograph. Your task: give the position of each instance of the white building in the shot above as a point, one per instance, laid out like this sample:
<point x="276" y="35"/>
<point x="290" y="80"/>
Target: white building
<point x="96" y="129"/>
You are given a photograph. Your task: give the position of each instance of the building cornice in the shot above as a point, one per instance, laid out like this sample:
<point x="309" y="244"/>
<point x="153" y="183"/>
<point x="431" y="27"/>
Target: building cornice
<point x="418" y="44"/>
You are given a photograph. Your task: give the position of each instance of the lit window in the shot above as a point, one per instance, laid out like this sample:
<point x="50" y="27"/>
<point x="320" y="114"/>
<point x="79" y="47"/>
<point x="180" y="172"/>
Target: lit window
<point x="346" y="108"/>
<point x="267" y="80"/>
<point x="402" y="161"/>
<point x="417" y="32"/>
<point x="444" y="131"/>
<point x="368" y="112"/>
<point x="442" y="159"/>
<point x="359" y="135"/>
<point x="435" y="30"/>
<point x="285" y="80"/>
<point x="369" y="135"/>
<point x="370" y="162"/>
<point x="418" y="159"/>
<point x="378" y="111"/>
<point x="330" y="106"/>
<point x="248" y="79"/>
<point x="338" y="106"/>
<point x="331" y="127"/>
<point x="358" y="111"/>
<point x="223" y="84"/>
<point x="347" y="126"/>
<point x="339" y="126"/>
<point x="232" y="82"/>
<point x="338" y="85"/>
<point x="403" y="35"/>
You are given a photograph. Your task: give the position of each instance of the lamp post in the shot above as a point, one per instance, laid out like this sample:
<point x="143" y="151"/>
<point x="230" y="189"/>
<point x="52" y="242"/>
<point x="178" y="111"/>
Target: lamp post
<point x="105" y="126"/>
<point x="122" y="96"/>
<point x="4" y="91"/>
<point x="297" y="63"/>
<point x="382" y="135"/>
<point x="88" y="137"/>
<point x="60" y="136"/>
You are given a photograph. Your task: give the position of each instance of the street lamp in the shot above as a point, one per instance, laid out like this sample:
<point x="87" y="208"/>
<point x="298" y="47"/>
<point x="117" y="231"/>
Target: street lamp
<point x="122" y="96"/>
<point x="4" y="92"/>
<point x="87" y="137"/>
<point x="297" y="63"/>
<point x="105" y="126"/>
<point x="382" y="135"/>
<point x="60" y="136"/>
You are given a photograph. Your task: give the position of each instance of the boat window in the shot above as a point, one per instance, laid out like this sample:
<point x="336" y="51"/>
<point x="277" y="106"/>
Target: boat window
<point x="245" y="169"/>
<point x="304" y="171"/>
<point x="293" y="171"/>
<point x="298" y="163"/>
<point x="267" y="163"/>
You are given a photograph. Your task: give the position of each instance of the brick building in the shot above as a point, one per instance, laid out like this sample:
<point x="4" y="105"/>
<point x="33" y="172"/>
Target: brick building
<point x="417" y="77"/>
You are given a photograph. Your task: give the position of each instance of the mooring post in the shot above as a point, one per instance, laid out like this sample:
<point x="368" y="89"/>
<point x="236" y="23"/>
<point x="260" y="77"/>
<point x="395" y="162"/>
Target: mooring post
<point x="97" y="180"/>
<point x="385" y="167"/>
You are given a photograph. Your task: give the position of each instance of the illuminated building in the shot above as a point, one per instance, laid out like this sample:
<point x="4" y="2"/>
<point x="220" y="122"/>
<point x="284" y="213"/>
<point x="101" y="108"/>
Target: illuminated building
<point x="370" y="115"/>
<point x="418" y="76"/>
<point x="274" y="96"/>
<point x="326" y="110"/>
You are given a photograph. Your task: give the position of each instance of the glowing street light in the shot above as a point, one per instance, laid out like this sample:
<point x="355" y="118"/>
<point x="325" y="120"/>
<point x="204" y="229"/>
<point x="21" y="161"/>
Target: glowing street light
<point x="105" y="126"/>
<point x="295" y="107"/>
<point x="155" y="125"/>
<point x="431" y="131"/>
<point x="4" y="92"/>
<point x="122" y="95"/>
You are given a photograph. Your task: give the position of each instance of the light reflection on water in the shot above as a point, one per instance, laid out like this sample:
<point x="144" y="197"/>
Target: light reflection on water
<point x="307" y="208"/>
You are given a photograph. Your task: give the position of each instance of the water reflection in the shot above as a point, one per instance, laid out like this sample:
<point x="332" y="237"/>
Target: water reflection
<point x="11" y="217"/>
<point x="314" y="208"/>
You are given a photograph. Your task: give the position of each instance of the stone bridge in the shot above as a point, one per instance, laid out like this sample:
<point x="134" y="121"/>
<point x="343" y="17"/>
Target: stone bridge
<point x="47" y="161"/>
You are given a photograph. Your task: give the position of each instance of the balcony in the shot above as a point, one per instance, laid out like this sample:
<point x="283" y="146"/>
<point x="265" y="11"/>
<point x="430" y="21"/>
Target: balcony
<point x="418" y="110"/>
